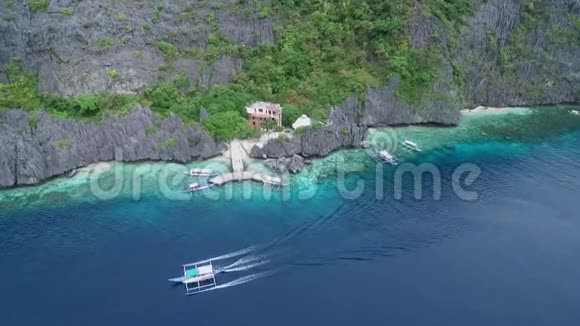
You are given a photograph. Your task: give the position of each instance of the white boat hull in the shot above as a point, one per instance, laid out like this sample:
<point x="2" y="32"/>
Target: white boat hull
<point x="411" y="146"/>
<point x="375" y="155"/>
<point x="177" y="279"/>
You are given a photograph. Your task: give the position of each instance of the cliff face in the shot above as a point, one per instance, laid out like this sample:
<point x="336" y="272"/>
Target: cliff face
<point x="342" y="130"/>
<point x="74" y="51"/>
<point x="507" y="53"/>
<point x="35" y="147"/>
<point x="518" y="53"/>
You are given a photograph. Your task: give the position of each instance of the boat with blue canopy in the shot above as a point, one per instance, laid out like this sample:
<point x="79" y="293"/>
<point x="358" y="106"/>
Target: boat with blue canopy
<point x="197" y="277"/>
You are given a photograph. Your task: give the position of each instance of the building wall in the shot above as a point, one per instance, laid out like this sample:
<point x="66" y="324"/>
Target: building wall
<point x="257" y="121"/>
<point x="261" y="111"/>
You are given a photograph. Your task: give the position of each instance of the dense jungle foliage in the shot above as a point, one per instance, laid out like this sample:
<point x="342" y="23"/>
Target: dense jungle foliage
<point x="325" y="50"/>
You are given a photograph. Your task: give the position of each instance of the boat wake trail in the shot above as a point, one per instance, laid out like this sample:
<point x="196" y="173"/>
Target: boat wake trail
<point x="245" y="260"/>
<point x="283" y="251"/>
<point x="246" y="279"/>
<point x="234" y="254"/>
<point x="316" y="244"/>
<point x="242" y="280"/>
<point x="303" y="230"/>
<point x="264" y="260"/>
<point x="246" y="267"/>
<point x="355" y="231"/>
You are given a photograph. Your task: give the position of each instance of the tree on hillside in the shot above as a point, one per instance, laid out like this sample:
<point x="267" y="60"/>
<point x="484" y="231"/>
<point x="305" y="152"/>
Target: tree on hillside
<point x="269" y="125"/>
<point x="228" y="125"/>
<point x="291" y="114"/>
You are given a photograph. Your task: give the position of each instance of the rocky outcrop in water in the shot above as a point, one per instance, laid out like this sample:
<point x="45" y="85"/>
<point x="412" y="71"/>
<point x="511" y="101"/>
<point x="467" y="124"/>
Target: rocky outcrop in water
<point x="35" y="146"/>
<point x="343" y="130"/>
<point x="282" y="165"/>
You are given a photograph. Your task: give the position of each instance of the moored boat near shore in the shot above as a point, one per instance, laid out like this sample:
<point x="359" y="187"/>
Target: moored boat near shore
<point x="410" y="145"/>
<point x="200" y="173"/>
<point x="196" y="187"/>
<point x="384" y="157"/>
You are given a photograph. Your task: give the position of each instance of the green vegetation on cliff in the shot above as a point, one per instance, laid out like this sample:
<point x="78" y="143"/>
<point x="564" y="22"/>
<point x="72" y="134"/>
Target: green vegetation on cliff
<point x="21" y="89"/>
<point x="325" y="50"/>
<point x="331" y="49"/>
<point x="517" y="48"/>
<point x="37" y="5"/>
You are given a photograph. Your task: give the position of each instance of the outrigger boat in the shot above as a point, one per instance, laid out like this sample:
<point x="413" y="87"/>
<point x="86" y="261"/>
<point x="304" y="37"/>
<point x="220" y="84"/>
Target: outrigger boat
<point x="384" y="157"/>
<point x="411" y="145"/>
<point x="195" y="187"/>
<point x="199" y="173"/>
<point x="276" y="182"/>
<point x="197" y="277"/>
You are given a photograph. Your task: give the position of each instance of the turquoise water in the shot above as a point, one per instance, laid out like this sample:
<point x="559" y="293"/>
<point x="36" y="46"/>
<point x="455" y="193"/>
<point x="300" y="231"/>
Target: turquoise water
<point x="509" y="257"/>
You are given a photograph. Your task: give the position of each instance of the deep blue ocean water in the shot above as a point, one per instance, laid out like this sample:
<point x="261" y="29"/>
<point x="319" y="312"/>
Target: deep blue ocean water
<point x="509" y="258"/>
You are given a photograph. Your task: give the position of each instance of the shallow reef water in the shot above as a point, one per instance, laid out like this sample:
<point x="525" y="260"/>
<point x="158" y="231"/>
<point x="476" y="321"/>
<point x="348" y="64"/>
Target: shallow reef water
<point x="512" y="128"/>
<point x="342" y="245"/>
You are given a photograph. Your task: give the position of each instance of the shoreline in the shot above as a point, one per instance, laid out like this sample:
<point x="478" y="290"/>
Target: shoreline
<point x="518" y="109"/>
<point x="495" y="110"/>
<point x="221" y="162"/>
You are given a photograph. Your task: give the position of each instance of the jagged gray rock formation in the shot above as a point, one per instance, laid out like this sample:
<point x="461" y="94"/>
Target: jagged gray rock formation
<point x="74" y="53"/>
<point x="475" y="70"/>
<point x="487" y="61"/>
<point x="381" y="108"/>
<point x="293" y="164"/>
<point x="542" y="67"/>
<point x="343" y="130"/>
<point x="35" y="149"/>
